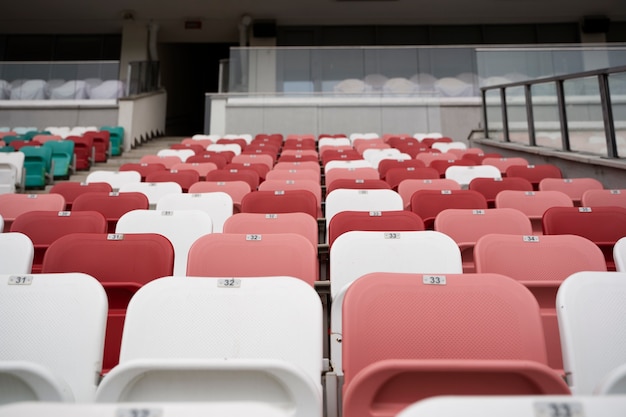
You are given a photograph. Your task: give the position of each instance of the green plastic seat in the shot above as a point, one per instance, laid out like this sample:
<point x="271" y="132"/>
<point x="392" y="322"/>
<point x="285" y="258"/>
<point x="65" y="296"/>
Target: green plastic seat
<point x="62" y="157"/>
<point x="38" y="165"/>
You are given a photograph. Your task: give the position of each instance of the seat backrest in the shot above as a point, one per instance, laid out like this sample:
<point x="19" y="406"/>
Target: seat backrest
<point x="142" y="168"/>
<point x="465" y="174"/>
<point x="357" y="184"/>
<point x="260" y="224"/>
<point x="361" y="200"/>
<point x="116" y="179"/>
<point x="534" y="173"/>
<point x="429" y="203"/>
<point x="407" y="309"/>
<point x="406" y="188"/>
<point x="395" y="176"/>
<point x="16" y="253"/>
<point x="602" y="225"/>
<point x="183" y="154"/>
<point x="12" y="205"/>
<point x="17" y="160"/>
<point x="533" y="203"/>
<point x="386" y="164"/>
<point x="590" y="310"/>
<point x="595" y="197"/>
<point x="490" y="187"/>
<point x="573" y="187"/>
<point x="619" y="254"/>
<point x="168" y="160"/>
<point x="184" y="178"/>
<point x="181" y="227"/>
<point x="293" y="174"/>
<point x="63" y="331"/>
<point x="111" y="205"/>
<point x="364" y="173"/>
<point x="504" y="163"/>
<point x="249" y="255"/>
<point x="384" y="221"/>
<point x="122" y="264"/>
<point x="290" y="201"/>
<point x="248" y="175"/>
<point x="218" y="205"/>
<point x="154" y="191"/>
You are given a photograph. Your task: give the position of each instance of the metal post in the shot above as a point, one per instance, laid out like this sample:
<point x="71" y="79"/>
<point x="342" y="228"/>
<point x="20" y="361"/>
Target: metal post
<point x="607" y="116"/>
<point x="505" y="115"/>
<point x="530" y="117"/>
<point x="485" y="125"/>
<point x="560" y="96"/>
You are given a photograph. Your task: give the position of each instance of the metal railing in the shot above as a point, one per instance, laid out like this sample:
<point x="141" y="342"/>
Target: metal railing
<point x="565" y="105"/>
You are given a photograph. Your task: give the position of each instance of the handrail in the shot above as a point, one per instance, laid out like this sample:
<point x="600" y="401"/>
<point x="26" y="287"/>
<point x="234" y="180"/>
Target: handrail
<point x="605" y="101"/>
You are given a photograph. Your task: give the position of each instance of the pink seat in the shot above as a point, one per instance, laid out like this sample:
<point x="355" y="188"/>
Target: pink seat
<point x="142" y="168"/>
<point x="407" y="188"/>
<point x="12" y="205"/>
<point x="433" y="155"/>
<point x="294" y="174"/>
<point x="168" y="161"/>
<point x="604" y="226"/>
<point x="247" y="175"/>
<point x="490" y="187"/>
<point x="429" y="203"/>
<point x="573" y="187"/>
<point x="534" y="173"/>
<point x="290" y="201"/>
<point x="202" y="168"/>
<point x="594" y="198"/>
<point x="312" y="165"/>
<point x="220" y="161"/>
<point x="253" y="255"/>
<point x="356" y="184"/>
<point x="385" y="221"/>
<point x="111" y="205"/>
<point x="264" y="159"/>
<point x="466" y="226"/>
<point x="122" y="264"/>
<point x="72" y="189"/>
<point x="533" y="203"/>
<point x="405" y="340"/>
<point x="44" y="227"/>
<point x="541" y="263"/>
<point x="260" y="223"/>
<point x="386" y="164"/>
<point x="235" y="189"/>
<point x="363" y="173"/>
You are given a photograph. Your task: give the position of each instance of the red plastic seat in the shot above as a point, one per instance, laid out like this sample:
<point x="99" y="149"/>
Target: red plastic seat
<point x="357" y="184"/>
<point x="405" y="338"/>
<point x="386" y="164"/>
<point x="248" y="175"/>
<point x="111" y="205"/>
<point x="614" y="197"/>
<point x="122" y="263"/>
<point x="541" y="263"/>
<point x="185" y="178"/>
<point x="490" y="187"/>
<point x="70" y="190"/>
<point x="395" y="176"/>
<point x="44" y="227"/>
<point x="429" y="203"/>
<point x="290" y="185"/>
<point x="101" y="144"/>
<point x="220" y="161"/>
<point x="260" y="224"/>
<point x="291" y="201"/>
<point x="142" y="168"/>
<point x="533" y="203"/>
<point x="12" y="205"/>
<point x="407" y="188"/>
<point x="534" y="173"/>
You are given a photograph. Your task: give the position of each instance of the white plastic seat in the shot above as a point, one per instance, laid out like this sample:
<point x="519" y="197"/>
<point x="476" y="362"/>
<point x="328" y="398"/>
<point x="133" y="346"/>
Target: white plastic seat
<point x="218" y="205"/>
<point x="16" y="253"/>
<point x="183" y="154"/>
<point x="180" y="227"/>
<point x="116" y="179"/>
<point x="17" y="160"/>
<point x="251" y="347"/>
<point x="225" y="147"/>
<point x="55" y="324"/>
<point x="153" y="190"/>
<point x="590" y="310"/>
<point x="465" y="174"/>
<point x="619" y="254"/>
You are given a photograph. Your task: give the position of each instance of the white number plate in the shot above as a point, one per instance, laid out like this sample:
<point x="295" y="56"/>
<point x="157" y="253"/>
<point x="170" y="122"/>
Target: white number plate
<point x="229" y="283"/>
<point x="559" y="409"/>
<point x="139" y="412"/>
<point x="434" y="279"/>
<point x="20" y="279"/>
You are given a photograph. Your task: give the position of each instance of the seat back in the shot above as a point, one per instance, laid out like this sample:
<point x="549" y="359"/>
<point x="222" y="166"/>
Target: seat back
<point x="16" y="159"/>
<point x="248" y="175"/>
<point x="471" y="349"/>
<point x="168" y="160"/>
<point x="429" y="203"/>
<point x="541" y="263"/>
<point x="44" y="227"/>
<point x="287" y="185"/>
<point x="465" y="174"/>
<point x="290" y="201"/>
<point x="619" y="254"/>
<point x="181" y="227"/>
<point x="16" y="253"/>
<point x="260" y="224"/>
<point x="573" y="187"/>
<point x="142" y="168"/>
<point x="490" y="187"/>
<point x="12" y="205"/>
<point x="534" y="173"/>
<point x="154" y="191"/>
<point x="466" y="226"/>
<point x="235" y="189"/>
<point x="504" y="163"/>
<point x="593" y="198"/>
<point x="218" y="205"/>
<point x="406" y="188"/>
<point x="116" y="179"/>
<point x="184" y="178"/>
<point x="590" y="311"/>
<point x="602" y="225"/>
<point x="111" y="205"/>
<point x="395" y="176"/>
<point x="66" y="313"/>
<point x="533" y="203"/>
<point x="221" y="255"/>
<point x="122" y="264"/>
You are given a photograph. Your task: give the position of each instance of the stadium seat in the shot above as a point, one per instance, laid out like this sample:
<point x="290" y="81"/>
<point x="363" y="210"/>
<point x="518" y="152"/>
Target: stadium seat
<point x="604" y="226"/>
<point x="218" y="205"/>
<point x="590" y="311"/>
<point x="42" y="362"/>
<point x="504" y="163"/>
<point x="573" y="187"/>
<point x="154" y="191"/>
<point x="202" y="168"/>
<point x="116" y="137"/>
<point x="111" y="205"/>
<point x="534" y="173"/>
<point x="72" y="189"/>
<point x="245" y="363"/>
<point x="16" y="253"/>
<point x="466" y="226"/>
<point x="290" y="201"/>
<point x="472" y="349"/>
<point x="62" y="152"/>
<point x="183" y="154"/>
<point x="122" y="264"/>
<point x="614" y="197"/>
<point x="294" y="174"/>
<point x="44" y="227"/>
<point x="142" y="168"/>
<point x="386" y="164"/>
<point x="619" y="254"/>
<point x="429" y="203"/>
<point x="181" y="227"/>
<point x="290" y="185"/>
<point x="15" y="159"/>
<point x="395" y="176"/>
<point x="363" y="173"/>
<point x="84" y="152"/>
<point x="248" y="175"/>
<point x="235" y="189"/>
<point x="168" y="160"/>
<point x="356" y="184"/>
<point x="407" y="188"/>
<point x="184" y="178"/>
<point x="490" y="187"/>
<point x="12" y="205"/>
<point x="116" y="179"/>
<point x="541" y="263"/>
<point x="37" y="165"/>
<point x="533" y="203"/>
<point x="465" y="174"/>
<point x="260" y="224"/>
<point x="249" y="255"/>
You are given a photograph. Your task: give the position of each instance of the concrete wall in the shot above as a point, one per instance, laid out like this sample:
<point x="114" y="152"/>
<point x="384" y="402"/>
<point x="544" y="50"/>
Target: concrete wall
<point x="142" y="117"/>
<point x="45" y="113"/>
